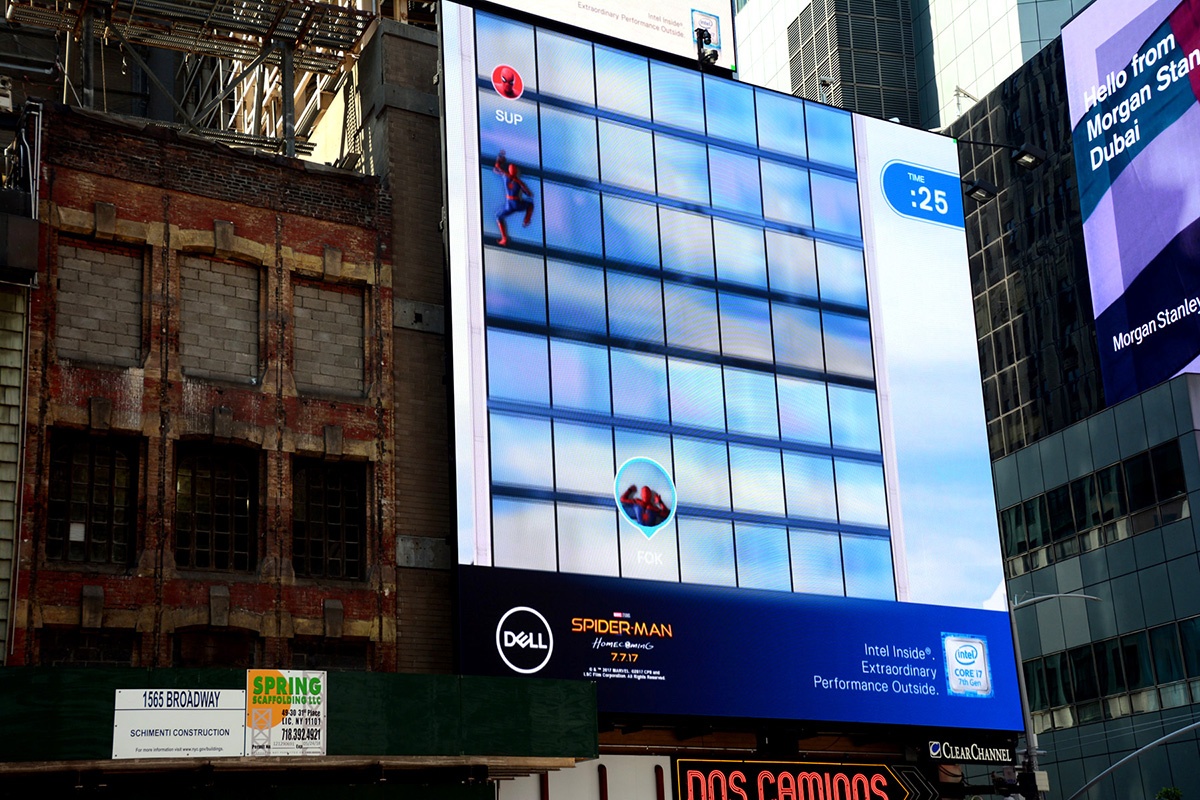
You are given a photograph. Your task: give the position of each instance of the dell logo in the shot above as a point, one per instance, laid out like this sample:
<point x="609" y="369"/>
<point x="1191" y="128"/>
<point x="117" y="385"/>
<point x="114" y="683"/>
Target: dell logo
<point x="966" y="655"/>
<point x="524" y="640"/>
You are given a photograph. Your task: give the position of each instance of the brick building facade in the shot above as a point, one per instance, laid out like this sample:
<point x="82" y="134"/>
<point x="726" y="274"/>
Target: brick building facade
<point x="209" y="457"/>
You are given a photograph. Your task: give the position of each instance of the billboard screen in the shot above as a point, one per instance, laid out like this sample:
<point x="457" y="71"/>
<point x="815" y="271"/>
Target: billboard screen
<point x="666" y="25"/>
<point x="1135" y="122"/>
<point x="719" y="433"/>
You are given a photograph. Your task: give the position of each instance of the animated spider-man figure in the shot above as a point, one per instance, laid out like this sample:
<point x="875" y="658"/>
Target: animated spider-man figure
<point x="645" y="508"/>
<point x="517" y="196"/>
<point x="508" y="82"/>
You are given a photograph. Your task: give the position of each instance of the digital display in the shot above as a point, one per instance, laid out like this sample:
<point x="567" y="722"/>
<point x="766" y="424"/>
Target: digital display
<point x="1133" y="84"/>
<point x="666" y="25"/>
<point x="718" y="414"/>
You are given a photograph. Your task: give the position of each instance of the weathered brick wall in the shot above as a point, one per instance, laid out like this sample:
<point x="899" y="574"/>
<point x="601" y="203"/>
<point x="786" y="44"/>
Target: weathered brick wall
<point x="99" y="304"/>
<point x="293" y="226"/>
<point x="329" y="340"/>
<point x="220" y="318"/>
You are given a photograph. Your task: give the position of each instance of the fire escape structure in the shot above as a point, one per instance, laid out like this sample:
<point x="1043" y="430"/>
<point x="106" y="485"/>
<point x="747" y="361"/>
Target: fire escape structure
<point x="255" y="73"/>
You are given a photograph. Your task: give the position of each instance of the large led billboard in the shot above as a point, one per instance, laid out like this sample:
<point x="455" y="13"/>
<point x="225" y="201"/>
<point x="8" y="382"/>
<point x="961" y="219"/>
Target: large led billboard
<point x="719" y="434"/>
<point x="1135" y="129"/>
<point x="666" y="25"/>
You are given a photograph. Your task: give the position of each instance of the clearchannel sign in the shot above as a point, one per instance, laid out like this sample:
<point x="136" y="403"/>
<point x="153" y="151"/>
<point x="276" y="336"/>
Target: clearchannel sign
<point x="716" y="394"/>
<point x="1133" y="83"/>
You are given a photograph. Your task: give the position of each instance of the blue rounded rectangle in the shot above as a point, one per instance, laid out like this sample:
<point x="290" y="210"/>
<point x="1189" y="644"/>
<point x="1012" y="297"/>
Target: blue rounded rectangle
<point x="923" y="193"/>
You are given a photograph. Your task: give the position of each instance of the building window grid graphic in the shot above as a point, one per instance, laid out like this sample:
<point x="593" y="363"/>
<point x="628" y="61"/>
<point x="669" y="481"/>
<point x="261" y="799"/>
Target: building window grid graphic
<point x="93" y="496"/>
<point x="216" y="498"/>
<point x="1132" y="496"/>
<point x="778" y="494"/>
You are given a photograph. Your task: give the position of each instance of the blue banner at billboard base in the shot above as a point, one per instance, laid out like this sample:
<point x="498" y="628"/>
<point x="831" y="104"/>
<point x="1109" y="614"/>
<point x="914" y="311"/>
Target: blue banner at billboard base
<point x="1152" y="331"/>
<point x="677" y="649"/>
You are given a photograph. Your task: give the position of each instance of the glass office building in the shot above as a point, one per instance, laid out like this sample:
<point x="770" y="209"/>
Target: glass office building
<point x="1093" y="500"/>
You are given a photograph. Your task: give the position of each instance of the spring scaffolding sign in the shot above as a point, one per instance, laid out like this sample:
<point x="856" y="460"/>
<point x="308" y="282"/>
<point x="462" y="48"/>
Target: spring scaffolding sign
<point x="285" y="712"/>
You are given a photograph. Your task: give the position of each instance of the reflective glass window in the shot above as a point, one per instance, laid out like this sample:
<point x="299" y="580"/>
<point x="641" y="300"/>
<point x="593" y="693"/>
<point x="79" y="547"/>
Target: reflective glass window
<point x="572" y="219"/>
<point x="757" y="477"/>
<point x="848" y="345"/>
<point x="1083" y="674"/>
<point x="860" y="493"/>
<point x="697" y="396"/>
<point x="523" y="534"/>
<point x="793" y="264"/>
<point x="1135" y="658"/>
<point x="734" y="178"/>
<point x="1110" y="485"/>
<point x="583" y="458"/>
<point x="729" y="108"/>
<point x="803" y="410"/>
<point x="687" y="242"/>
<point x="1085" y="503"/>
<point x="746" y="327"/>
<point x="627" y="156"/>
<point x="1012" y="530"/>
<point x="816" y="562"/>
<point x="809" y="482"/>
<point x="691" y="315"/>
<point x="854" y="418"/>
<point x="682" y="169"/>
<point x="701" y="472"/>
<point x="1037" y="522"/>
<point x="518" y="367"/>
<point x="1109" y="675"/>
<point x="1035" y="680"/>
<point x="1168" y="471"/>
<point x="641" y="388"/>
<point x="637" y="444"/>
<point x="1189" y="634"/>
<point x="568" y="143"/>
<point x="504" y="41"/>
<point x="516" y="286"/>
<point x="780" y="123"/>
<point x="843" y="277"/>
<point x="521" y="451"/>
<point x="785" y="192"/>
<point x="576" y="297"/>
<point x="565" y="67"/>
<point x="868" y="567"/>
<point x="677" y="97"/>
<point x="635" y="309"/>
<point x="587" y="540"/>
<point x="579" y="374"/>
<point x="762" y="557"/>
<point x="830" y="135"/>
<point x="750" y="403"/>
<point x="1058" y="504"/>
<point x="1139" y="480"/>
<point x="797" y="337"/>
<point x="706" y="551"/>
<point x="835" y="204"/>
<point x="740" y="255"/>
<point x="624" y="86"/>
<point x="1058" y="680"/>
<point x="630" y="231"/>
<point x="1168" y="660"/>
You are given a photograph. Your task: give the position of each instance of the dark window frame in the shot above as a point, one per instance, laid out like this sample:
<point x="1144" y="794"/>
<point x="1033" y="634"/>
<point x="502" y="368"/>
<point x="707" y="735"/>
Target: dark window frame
<point x="93" y="482"/>
<point x="216" y="507"/>
<point x="329" y="519"/>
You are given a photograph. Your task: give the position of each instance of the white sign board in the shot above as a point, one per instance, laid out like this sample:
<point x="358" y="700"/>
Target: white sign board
<point x="666" y="25"/>
<point x="179" y="723"/>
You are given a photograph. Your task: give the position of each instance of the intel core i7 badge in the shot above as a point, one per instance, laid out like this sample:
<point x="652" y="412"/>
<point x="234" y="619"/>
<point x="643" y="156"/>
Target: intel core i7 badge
<point x="968" y="673"/>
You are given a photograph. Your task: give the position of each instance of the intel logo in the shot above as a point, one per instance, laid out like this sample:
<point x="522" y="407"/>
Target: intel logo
<point x="524" y="640"/>
<point x="966" y="655"/>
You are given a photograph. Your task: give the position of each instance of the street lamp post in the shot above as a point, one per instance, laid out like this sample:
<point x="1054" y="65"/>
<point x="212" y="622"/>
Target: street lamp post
<point x="1031" y="751"/>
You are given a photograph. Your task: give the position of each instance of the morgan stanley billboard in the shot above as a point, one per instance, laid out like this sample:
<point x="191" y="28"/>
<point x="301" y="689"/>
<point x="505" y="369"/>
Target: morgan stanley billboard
<point x="1133" y="84"/>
